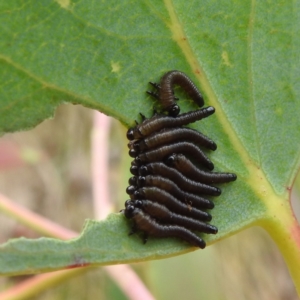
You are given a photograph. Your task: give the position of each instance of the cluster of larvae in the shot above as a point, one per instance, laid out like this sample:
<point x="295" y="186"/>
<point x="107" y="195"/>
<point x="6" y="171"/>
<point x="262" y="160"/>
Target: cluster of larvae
<point x="173" y="183"/>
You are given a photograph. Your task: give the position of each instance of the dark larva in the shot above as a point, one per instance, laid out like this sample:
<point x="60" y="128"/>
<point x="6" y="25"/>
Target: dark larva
<point x="134" y="169"/>
<point x="180" y="147"/>
<point x="165" y="198"/>
<point x="133" y="180"/>
<point x="170" y="187"/>
<point x="130" y="190"/>
<point x="184" y="165"/>
<point x="158" y="122"/>
<point x="170" y="106"/>
<point x="170" y="202"/>
<point x="186" y="184"/>
<point x="150" y="227"/>
<point x="165" y="91"/>
<point x="170" y="178"/>
<point x="164" y="215"/>
<point x="167" y="136"/>
<point x="130" y="144"/>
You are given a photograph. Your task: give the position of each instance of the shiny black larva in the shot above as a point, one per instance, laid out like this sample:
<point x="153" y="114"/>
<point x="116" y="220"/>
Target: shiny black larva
<point x="158" y="122"/>
<point x="181" y="163"/>
<point x="165" y="151"/>
<point x="149" y="226"/>
<point x="165" y="91"/>
<point x="173" y="183"/>
<point x="171" y="135"/>
<point x="165" y="216"/>
<point x="179" y="179"/>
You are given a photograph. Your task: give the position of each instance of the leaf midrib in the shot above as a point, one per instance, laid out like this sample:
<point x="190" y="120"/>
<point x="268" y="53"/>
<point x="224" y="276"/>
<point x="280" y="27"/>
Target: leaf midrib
<point x="264" y="189"/>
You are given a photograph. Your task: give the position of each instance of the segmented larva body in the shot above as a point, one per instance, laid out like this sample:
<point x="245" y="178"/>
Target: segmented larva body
<point x="171" y="135"/>
<point x="192" y="206"/>
<point x="164" y="198"/>
<point x="164" y="151"/>
<point x="165" y="215"/>
<point x="150" y="226"/>
<point x="185" y="166"/>
<point x="172" y="174"/>
<point x="165" y="91"/>
<point x="184" y="183"/>
<point x="158" y="122"/>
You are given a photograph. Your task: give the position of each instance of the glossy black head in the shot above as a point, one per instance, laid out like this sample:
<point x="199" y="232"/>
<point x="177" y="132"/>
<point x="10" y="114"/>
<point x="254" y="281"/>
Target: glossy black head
<point x="128" y="202"/>
<point x="170" y="159"/>
<point x="129" y="210"/>
<point x="141" y="181"/>
<point x="143" y="170"/>
<point x="133" y="153"/>
<point x="130" y="190"/>
<point x="133" y="180"/>
<point x="134" y="170"/>
<point x="130" y="134"/>
<point x="174" y="110"/>
<point x="139" y="194"/>
<point x="130" y="145"/>
<point x="138" y="203"/>
<point x="136" y="146"/>
<point x="137" y="161"/>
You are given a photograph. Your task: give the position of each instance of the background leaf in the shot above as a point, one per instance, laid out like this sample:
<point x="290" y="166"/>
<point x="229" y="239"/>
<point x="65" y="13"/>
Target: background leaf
<point x="244" y="56"/>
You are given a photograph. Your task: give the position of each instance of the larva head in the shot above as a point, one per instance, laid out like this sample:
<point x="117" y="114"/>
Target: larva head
<point x="138" y="203"/>
<point x="128" y="202"/>
<point x="133" y="153"/>
<point x="130" y="190"/>
<point x="141" y="181"/>
<point x="129" y="210"/>
<point x="174" y="110"/>
<point x="130" y="144"/>
<point x="138" y="161"/>
<point x="132" y="180"/>
<point x="170" y="159"/>
<point x="136" y="146"/>
<point x="130" y="134"/>
<point x="134" y="170"/>
<point x="143" y="170"/>
<point x="139" y="194"/>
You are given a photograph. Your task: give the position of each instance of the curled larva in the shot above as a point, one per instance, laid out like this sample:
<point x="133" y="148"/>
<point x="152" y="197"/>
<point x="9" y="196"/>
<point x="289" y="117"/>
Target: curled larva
<point x="165" y="91"/>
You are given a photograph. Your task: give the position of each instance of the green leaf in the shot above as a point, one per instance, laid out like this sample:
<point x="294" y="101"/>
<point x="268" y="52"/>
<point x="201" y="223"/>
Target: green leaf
<point x="100" y="243"/>
<point x="243" y="55"/>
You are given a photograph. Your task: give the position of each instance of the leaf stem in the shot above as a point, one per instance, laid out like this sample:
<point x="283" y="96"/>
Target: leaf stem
<point x="33" y="220"/>
<point x="35" y="285"/>
<point x="285" y="231"/>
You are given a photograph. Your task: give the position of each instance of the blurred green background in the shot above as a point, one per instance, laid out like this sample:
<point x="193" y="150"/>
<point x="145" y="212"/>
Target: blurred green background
<point x="48" y="170"/>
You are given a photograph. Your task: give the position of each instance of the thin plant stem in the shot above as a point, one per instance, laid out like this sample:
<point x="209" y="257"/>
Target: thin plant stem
<point x="123" y="275"/>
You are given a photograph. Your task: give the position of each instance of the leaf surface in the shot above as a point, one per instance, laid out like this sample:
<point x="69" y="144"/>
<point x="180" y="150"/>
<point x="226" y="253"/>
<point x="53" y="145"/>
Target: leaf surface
<point x="244" y="56"/>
